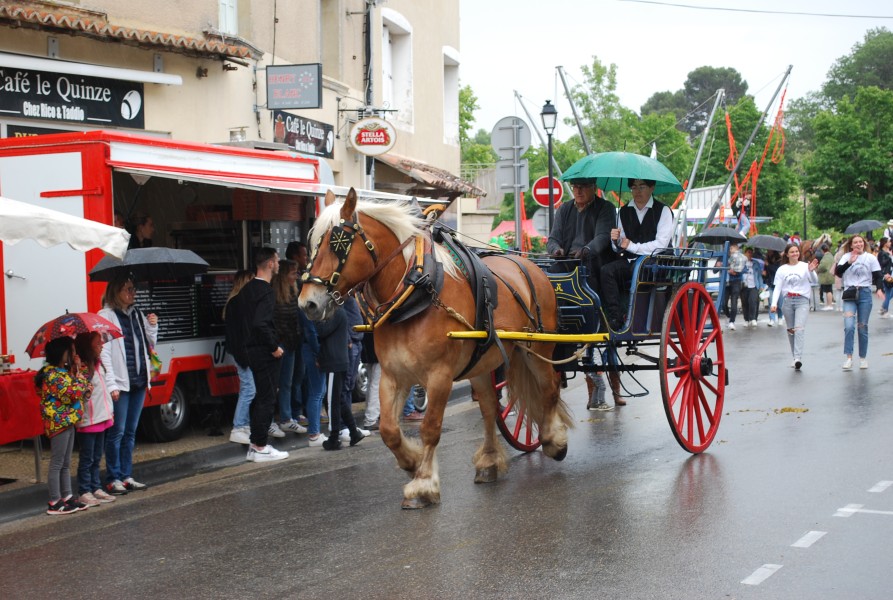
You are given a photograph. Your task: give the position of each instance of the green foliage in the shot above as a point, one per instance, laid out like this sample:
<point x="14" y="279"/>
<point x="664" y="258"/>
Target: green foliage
<point x="477" y="150"/>
<point x="468" y="103"/>
<point x="607" y="124"/>
<point x="849" y="173"/>
<point x="869" y="64"/>
<point x="691" y="105"/>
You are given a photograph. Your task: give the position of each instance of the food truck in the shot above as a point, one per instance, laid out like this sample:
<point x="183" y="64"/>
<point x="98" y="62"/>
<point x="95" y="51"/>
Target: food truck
<point x="219" y="201"/>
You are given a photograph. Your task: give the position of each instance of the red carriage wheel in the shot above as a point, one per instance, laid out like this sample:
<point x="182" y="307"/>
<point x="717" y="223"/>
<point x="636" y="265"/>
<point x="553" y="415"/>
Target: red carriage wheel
<point x="519" y="432"/>
<point x="692" y="367"/>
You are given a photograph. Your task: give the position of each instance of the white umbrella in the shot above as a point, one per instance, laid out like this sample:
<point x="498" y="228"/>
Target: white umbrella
<point x="20" y="220"/>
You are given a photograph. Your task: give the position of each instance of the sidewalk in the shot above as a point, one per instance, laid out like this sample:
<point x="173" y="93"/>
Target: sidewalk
<point x="154" y="463"/>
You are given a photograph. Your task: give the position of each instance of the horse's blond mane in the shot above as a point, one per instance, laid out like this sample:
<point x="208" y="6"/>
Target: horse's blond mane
<point x="398" y="216"/>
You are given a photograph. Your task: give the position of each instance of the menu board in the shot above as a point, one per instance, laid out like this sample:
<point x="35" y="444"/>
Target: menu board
<point x="187" y="310"/>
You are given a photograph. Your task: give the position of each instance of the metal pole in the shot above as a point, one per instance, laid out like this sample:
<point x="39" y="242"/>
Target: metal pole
<point x="570" y="99"/>
<point x="718" y="202"/>
<point x="682" y="239"/>
<point x="516" y="157"/>
<point x="805" y="232"/>
<point x="552" y="192"/>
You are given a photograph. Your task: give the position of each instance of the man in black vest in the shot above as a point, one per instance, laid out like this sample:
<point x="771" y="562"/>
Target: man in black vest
<point x="582" y="230"/>
<point x="646" y="225"/>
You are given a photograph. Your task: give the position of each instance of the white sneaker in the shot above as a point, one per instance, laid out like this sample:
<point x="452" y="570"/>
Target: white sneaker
<point x="275" y="431"/>
<point x="732" y="326"/>
<point x="344" y="434"/>
<point x="292" y="426"/>
<point x="320" y="438"/>
<point x="771" y="323"/>
<point x="240" y="435"/>
<point x="827" y="308"/>
<point x="863" y="364"/>
<point x="848" y="364"/>
<point x="753" y="323"/>
<point x="266" y="454"/>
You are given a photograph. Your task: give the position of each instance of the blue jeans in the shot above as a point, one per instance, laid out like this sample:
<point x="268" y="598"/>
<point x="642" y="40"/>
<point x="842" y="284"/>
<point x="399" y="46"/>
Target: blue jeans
<point x="350" y="377"/>
<point x="289" y="385"/>
<point x="121" y="437"/>
<point x="246" y="395"/>
<point x="888" y="293"/>
<point x="315" y="384"/>
<point x="853" y="311"/>
<point x="409" y="406"/>
<point x="92" y="446"/>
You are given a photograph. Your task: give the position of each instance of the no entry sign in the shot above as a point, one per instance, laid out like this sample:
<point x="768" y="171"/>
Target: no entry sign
<point x="540" y="191"/>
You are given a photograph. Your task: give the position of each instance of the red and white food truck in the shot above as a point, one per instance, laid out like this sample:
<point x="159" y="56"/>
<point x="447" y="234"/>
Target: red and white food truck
<point x="219" y="201"/>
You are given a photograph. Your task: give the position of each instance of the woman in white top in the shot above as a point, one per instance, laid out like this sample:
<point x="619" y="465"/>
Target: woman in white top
<point x="794" y="281"/>
<point x="858" y="269"/>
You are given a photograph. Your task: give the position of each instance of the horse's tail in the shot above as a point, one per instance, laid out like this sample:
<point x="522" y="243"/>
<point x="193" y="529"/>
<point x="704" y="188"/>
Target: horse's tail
<point x="533" y="386"/>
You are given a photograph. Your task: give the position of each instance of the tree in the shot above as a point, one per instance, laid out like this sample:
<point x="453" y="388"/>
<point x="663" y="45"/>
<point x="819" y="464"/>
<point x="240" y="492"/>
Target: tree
<point x="849" y="173"/>
<point x="869" y="64"/>
<point x="691" y="104"/>
<point x="606" y="123"/>
<point x="477" y="150"/>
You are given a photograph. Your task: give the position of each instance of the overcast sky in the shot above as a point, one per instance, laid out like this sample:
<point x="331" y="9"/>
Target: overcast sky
<point x="511" y="45"/>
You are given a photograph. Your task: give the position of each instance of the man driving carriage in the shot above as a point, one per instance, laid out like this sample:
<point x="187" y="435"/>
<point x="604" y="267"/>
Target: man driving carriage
<point x="645" y="225"/>
<point x="582" y="230"/>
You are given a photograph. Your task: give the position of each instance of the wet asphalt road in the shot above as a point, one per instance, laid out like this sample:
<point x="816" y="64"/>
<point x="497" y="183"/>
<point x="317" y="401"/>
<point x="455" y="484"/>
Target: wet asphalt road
<point x="628" y="514"/>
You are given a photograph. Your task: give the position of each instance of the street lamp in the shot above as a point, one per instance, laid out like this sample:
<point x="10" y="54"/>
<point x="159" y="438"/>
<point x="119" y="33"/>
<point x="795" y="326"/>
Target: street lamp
<point x="550" y="118"/>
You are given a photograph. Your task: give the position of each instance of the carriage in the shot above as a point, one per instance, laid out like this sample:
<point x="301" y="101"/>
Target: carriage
<point x="442" y="313"/>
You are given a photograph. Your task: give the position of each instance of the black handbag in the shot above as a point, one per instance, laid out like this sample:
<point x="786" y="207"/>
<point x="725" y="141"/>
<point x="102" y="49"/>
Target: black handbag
<point x="849" y="293"/>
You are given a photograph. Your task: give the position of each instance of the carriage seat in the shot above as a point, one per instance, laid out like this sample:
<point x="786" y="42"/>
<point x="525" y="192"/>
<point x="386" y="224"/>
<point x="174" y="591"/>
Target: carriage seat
<point x="579" y="307"/>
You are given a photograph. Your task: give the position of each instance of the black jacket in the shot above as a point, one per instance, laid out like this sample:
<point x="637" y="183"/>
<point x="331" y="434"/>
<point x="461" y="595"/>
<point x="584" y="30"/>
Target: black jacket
<point x="258" y="303"/>
<point x="236" y="331"/>
<point x="333" y="340"/>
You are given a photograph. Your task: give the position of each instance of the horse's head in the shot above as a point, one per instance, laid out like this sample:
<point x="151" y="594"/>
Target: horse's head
<point x="329" y="276"/>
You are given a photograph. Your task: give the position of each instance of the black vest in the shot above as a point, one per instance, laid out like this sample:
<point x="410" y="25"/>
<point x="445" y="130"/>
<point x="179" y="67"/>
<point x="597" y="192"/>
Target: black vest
<point x="646" y="231"/>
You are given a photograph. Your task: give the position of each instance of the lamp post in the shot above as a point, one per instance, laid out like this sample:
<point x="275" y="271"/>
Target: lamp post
<point x="550" y="118"/>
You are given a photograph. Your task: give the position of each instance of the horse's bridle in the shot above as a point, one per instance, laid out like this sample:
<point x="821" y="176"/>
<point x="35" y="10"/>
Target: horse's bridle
<point x="341" y="240"/>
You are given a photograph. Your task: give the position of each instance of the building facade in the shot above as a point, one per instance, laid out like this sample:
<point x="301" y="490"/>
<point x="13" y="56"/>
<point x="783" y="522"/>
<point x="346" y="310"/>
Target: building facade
<point x="294" y="75"/>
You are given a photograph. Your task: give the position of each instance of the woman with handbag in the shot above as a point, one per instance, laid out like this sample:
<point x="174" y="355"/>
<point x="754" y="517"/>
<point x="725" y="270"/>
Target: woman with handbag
<point x="858" y="269"/>
<point x="128" y="370"/>
<point x="794" y="280"/>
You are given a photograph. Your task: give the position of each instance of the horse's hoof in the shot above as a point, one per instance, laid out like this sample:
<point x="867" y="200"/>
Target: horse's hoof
<point x="415" y="503"/>
<point x="485" y="475"/>
<point x="559" y="456"/>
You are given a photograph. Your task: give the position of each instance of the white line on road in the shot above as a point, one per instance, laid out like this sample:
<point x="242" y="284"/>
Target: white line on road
<point x="809" y="539"/>
<point x="880" y="486"/>
<point x="761" y="574"/>
<point x="848" y="511"/>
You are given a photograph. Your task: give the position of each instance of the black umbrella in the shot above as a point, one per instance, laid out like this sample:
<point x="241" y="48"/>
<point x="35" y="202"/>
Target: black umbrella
<point x="150" y="264"/>
<point x="718" y="235"/>
<point x="766" y="242"/>
<point x="863" y="226"/>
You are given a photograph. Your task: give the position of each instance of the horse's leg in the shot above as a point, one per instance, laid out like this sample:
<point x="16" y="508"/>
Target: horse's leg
<point x="393" y="396"/>
<point x="424" y="489"/>
<point x="489" y="460"/>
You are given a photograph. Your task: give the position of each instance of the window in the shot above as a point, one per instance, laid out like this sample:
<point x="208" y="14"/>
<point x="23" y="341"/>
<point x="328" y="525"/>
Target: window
<point x="396" y="65"/>
<point x="229" y="22"/>
<point x="450" y="96"/>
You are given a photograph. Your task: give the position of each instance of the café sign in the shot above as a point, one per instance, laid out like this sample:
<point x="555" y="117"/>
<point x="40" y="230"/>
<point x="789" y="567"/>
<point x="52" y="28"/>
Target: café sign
<point x="372" y="136"/>
<point x="304" y="135"/>
<point x="71" y="98"/>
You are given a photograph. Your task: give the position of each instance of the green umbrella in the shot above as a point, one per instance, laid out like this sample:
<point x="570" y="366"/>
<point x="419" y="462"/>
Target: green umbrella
<point x="610" y="170"/>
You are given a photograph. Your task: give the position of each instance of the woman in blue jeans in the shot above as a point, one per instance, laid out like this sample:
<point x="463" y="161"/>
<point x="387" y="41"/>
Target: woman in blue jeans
<point x="859" y="270"/>
<point x="127" y="366"/>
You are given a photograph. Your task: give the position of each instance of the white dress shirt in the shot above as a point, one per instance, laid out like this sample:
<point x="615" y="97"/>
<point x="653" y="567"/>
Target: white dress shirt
<point x="664" y="230"/>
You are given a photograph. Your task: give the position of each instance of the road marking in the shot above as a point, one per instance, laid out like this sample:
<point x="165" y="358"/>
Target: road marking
<point x="850" y="509"/>
<point x="880" y="487"/>
<point x="809" y="539"/>
<point x="761" y="574"/>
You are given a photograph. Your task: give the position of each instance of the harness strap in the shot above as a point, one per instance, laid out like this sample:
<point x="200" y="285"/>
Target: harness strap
<point x="538" y="321"/>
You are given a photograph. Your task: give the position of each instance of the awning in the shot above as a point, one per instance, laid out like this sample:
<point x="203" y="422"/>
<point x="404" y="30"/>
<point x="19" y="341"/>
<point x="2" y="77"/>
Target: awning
<point x="427" y="181"/>
<point x="258" y="184"/>
<point x="54" y="17"/>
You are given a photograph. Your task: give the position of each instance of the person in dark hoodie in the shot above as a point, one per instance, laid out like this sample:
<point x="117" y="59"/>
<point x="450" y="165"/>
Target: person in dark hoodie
<point x="258" y="302"/>
<point x="333" y="362"/>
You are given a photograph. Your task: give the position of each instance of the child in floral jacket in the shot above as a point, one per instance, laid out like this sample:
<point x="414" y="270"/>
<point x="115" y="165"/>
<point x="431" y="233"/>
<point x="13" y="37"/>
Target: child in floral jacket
<point x="63" y="390"/>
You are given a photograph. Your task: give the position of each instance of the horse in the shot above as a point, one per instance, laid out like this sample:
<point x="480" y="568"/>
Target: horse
<point x="369" y="250"/>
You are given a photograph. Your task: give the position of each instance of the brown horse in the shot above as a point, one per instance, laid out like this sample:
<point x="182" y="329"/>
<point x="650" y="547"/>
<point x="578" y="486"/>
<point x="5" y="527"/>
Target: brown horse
<point x="368" y="249"/>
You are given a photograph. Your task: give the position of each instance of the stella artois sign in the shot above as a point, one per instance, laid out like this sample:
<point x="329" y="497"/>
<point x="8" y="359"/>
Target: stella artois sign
<point x="372" y="136"/>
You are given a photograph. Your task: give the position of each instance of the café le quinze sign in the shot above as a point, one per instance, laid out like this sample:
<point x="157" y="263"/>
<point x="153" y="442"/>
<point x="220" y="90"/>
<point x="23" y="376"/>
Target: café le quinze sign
<point x="71" y="98"/>
<point x="372" y="136"/>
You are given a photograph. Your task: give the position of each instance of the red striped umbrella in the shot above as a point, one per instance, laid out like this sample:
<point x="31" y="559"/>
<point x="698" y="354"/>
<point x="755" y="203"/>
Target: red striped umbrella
<point x="70" y="325"/>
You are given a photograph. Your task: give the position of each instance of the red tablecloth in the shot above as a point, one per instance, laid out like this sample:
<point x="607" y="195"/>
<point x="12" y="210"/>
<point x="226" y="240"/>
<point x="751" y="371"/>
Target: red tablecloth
<point x="19" y="407"/>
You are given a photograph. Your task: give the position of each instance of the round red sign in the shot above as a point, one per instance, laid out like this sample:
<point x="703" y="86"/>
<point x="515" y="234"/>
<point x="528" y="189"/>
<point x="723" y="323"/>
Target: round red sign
<point x="540" y="191"/>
